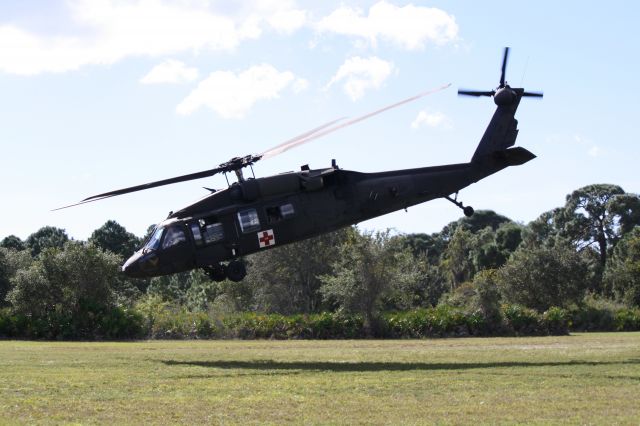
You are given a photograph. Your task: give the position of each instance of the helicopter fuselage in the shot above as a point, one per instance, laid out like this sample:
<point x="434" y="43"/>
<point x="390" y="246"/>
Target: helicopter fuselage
<point x="263" y="213"/>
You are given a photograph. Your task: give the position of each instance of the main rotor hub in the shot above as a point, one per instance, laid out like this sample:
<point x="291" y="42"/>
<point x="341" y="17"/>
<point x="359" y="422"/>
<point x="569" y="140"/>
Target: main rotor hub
<point x="504" y="96"/>
<point x="238" y="163"/>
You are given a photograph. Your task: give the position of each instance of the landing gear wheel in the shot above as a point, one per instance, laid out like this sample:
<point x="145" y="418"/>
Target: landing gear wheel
<point x="236" y="270"/>
<point x="217" y="272"/>
<point x="468" y="211"/>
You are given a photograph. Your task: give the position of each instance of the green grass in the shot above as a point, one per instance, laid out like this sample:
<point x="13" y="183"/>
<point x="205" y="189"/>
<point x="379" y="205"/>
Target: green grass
<point x="580" y="379"/>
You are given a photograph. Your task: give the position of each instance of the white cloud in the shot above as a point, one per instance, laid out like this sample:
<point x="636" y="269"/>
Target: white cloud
<point x="113" y="30"/>
<point x="361" y="74"/>
<point x="281" y="15"/>
<point x="232" y="95"/>
<point x="594" y="151"/>
<point x="170" y="71"/>
<point x="411" y="27"/>
<point x="435" y="119"/>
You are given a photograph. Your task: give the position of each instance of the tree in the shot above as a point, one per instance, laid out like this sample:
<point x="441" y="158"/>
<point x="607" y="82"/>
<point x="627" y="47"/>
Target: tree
<point x="486" y="297"/>
<point x="5" y="285"/>
<point x="622" y="276"/>
<point x="362" y="275"/>
<point x="598" y="215"/>
<point x="65" y="281"/>
<point x="490" y="250"/>
<point x="172" y="287"/>
<point x="114" y="237"/>
<point x="509" y="237"/>
<point x="46" y="237"/>
<point x="11" y="261"/>
<point x="543" y="276"/>
<point x="480" y="220"/>
<point x="457" y="262"/>
<point x="431" y="246"/>
<point x="13" y="242"/>
<point x="544" y="230"/>
<point x="286" y="279"/>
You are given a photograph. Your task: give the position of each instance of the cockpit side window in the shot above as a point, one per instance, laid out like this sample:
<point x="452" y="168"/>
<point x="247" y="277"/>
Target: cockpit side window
<point x="207" y="231"/>
<point x="175" y="235"/>
<point x="154" y="241"/>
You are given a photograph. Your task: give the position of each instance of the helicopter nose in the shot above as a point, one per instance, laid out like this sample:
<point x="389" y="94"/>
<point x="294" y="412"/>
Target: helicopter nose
<point x="131" y="267"/>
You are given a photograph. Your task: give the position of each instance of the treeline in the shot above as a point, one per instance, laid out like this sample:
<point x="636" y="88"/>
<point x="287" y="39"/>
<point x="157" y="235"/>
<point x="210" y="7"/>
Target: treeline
<point x="576" y="267"/>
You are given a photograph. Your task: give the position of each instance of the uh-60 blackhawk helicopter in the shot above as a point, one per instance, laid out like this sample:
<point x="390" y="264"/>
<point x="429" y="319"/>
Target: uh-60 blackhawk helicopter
<point x="255" y="214"/>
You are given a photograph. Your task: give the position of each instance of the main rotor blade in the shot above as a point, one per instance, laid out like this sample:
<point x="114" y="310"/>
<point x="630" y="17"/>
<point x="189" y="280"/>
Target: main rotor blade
<point x="277" y="149"/>
<point x="285" y="147"/>
<point x="177" y="179"/>
<point x="475" y="93"/>
<point x="504" y="66"/>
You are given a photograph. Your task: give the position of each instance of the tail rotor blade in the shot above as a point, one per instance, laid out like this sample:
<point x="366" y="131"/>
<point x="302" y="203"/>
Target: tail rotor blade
<point x="533" y="94"/>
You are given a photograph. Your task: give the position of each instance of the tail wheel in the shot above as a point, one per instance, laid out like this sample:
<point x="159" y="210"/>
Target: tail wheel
<point x="236" y="270"/>
<point x="468" y="211"/>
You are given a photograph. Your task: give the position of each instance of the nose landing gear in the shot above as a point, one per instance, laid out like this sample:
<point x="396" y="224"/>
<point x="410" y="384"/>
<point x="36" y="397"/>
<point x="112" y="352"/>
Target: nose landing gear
<point x="468" y="210"/>
<point x="234" y="271"/>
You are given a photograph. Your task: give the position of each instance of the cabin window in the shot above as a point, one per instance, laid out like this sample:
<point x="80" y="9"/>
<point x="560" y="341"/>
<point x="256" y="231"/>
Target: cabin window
<point x="175" y="235"/>
<point x="278" y="213"/>
<point x="287" y="211"/>
<point x="212" y="233"/>
<point x="273" y="214"/>
<point x="248" y="220"/>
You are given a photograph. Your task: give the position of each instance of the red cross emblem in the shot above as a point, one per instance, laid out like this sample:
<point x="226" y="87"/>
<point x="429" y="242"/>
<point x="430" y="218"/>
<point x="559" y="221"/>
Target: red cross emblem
<point x="266" y="238"/>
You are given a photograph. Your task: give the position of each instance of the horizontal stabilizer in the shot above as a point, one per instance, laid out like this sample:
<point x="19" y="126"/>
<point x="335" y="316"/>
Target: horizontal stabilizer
<point x="516" y="156"/>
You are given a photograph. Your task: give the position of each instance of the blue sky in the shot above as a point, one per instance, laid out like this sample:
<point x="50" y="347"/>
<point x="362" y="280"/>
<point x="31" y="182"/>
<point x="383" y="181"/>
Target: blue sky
<point x="102" y="94"/>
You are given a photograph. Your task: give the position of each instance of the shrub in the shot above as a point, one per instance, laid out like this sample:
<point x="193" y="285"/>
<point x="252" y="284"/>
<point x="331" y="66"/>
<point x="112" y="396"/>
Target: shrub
<point x="556" y="321"/>
<point x="560" y="281"/>
<point x="522" y="321"/>
<point x="627" y="319"/>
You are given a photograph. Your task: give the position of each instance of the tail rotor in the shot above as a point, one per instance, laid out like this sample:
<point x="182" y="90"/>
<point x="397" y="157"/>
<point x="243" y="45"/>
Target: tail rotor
<point x="503" y="94"/>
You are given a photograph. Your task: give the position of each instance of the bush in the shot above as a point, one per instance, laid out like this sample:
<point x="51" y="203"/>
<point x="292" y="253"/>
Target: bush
<point x="589" y="318"/>
<point x="89" y="323"/>
<point x="561" y="280"/>
<point x="627" y="319"/>
<point x="178" y="323"/>
<point x="441" y="321"/>
<point x="325" y="325"/>
<point x="556" y="321"/>
<point x="522" y="321"/>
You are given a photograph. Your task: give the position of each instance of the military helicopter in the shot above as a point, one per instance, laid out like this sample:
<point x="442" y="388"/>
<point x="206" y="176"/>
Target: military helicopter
<point x="257" y="214"/>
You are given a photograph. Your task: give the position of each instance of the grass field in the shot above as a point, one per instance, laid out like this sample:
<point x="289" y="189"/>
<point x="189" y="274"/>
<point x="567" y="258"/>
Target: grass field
<point x="581" y="379"/>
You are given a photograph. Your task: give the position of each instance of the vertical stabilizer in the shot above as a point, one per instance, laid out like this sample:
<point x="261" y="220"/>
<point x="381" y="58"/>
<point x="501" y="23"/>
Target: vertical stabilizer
<point x="502" y="131"/>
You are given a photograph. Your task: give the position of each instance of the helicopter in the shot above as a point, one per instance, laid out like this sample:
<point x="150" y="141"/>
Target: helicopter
<point x="255" y="214"/>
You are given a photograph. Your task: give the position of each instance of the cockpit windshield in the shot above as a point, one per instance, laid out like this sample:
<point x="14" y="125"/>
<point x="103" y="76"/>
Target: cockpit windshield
<point x="154" y="241"/>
